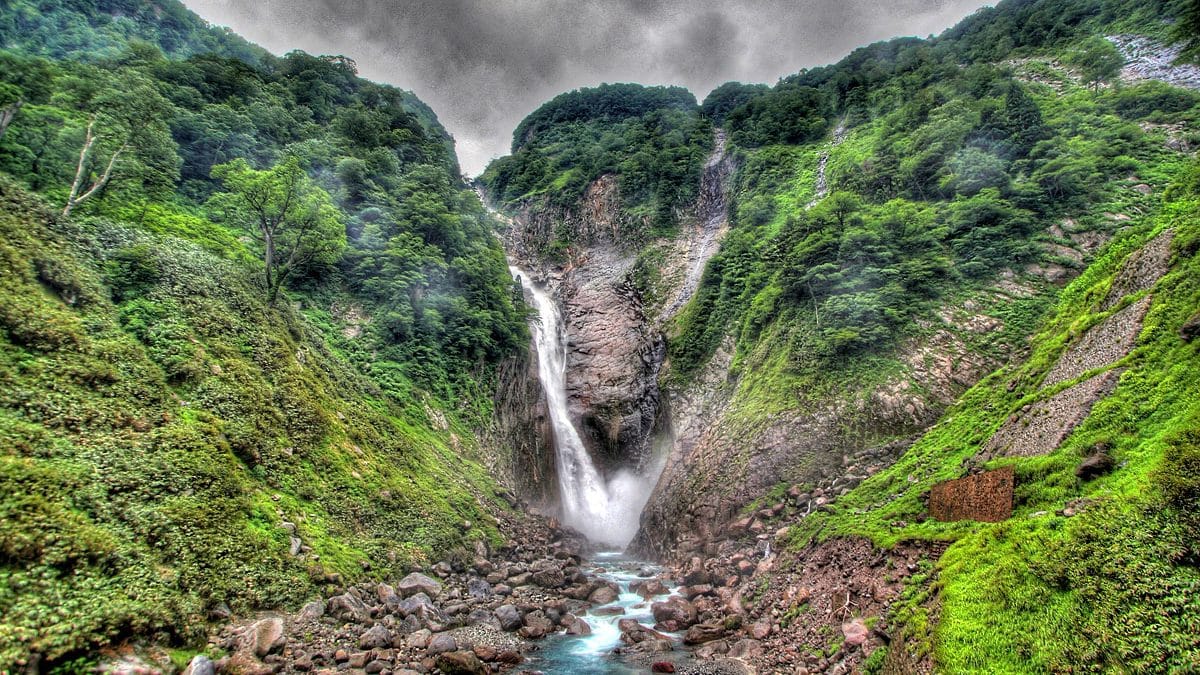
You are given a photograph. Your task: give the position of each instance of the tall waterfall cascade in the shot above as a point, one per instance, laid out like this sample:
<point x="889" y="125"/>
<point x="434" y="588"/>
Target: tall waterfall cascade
<point x="605" y="509"/>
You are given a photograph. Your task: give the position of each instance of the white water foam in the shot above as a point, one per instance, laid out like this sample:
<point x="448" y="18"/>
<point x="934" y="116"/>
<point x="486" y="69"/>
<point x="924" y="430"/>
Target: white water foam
<point x="605" y="511"/>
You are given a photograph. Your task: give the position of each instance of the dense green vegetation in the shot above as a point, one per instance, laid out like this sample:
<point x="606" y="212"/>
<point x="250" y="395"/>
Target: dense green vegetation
<point x="89" y="29"/>
<point x="650" y="137"/>
<point x="962" y="166"/>
<point x="948" y="175"/>
<point x="419" y="254"/>
<point x="238" y="291"/>
<point x="1114" y="587"/>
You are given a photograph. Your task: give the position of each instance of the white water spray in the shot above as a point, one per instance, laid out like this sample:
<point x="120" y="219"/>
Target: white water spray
<point x="604" y="511"/>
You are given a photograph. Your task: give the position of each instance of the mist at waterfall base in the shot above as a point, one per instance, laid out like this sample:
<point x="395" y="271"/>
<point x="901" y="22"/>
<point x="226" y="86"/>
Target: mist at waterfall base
<point x="606" y="511"/>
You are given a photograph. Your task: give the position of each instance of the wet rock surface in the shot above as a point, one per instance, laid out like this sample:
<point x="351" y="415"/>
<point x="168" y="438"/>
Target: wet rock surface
<point x="448" y="618"/>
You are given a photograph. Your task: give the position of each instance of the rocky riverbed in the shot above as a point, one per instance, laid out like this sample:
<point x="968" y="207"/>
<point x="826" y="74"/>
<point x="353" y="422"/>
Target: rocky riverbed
<point x="547" y="604"/>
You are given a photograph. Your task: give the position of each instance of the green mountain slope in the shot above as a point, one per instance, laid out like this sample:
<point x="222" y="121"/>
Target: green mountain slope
<point x="174" y="446"/>
<point x="995" y="196"/>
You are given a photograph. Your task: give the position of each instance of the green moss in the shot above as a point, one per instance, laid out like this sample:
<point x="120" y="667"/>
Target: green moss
<point x="156" y="442"/>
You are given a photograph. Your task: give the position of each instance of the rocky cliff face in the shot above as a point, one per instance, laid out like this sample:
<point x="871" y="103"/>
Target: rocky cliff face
<point x="520" y="435"/>
<point x="725" y="455"/>
<point x="720" y="462"/>
<point x="613" y="354"/>
<point x="615" y="339"/>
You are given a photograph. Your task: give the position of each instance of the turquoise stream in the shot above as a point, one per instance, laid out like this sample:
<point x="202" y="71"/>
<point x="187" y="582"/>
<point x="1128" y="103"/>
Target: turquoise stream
<point x="592" y="654"/>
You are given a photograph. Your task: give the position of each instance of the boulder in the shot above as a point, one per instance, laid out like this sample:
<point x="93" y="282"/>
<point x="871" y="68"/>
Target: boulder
<point x="461" y="663"/>
<point x="662" y="667"/>
<point x="576" y="625"/>
<point x="482" y="616"/>
<point x="603" y="595"/>
<point x="441" y="643"/>
<point x="418" y="583"/>
<point x="509" y="617"/>
<point x="549" y="578"/>
<point x="675" y="613"/>
<point x="421" y="607"/>
<point x="633" y="632"/>
<point x="311" y="611"/>
<point x="537" y="625"/>
<point x="711" y="650"/>
<point x="200" y="665"/>
<point x="1095" y="466"/>
<point x="479" y="589"/>
<point x="509" y="657"/>
<point x="704" y="632"/>
<point x="376" y="637"/>
<point x="385" y="593"/>
<point x="746" y="650"/>
<point x="265" y="636"/>
<point x="418" y="639"/>
<point x="649" y="589"/>
<point x="348" y="608"/>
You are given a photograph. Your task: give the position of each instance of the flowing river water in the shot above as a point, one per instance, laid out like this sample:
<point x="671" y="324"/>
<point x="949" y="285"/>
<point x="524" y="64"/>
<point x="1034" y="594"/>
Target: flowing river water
<point x="607" y="509"/>
<point x="593" y="654"/>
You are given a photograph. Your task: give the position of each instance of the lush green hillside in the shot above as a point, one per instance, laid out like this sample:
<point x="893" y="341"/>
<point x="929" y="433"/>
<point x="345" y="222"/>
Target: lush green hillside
<point x="920" y="175"/>
<point x="651" y="137"/>
<point x="948" y="174"/>
<point x="89" y="30"/>
<point x="176" y="438"/>
<point x="1114" y="587"/>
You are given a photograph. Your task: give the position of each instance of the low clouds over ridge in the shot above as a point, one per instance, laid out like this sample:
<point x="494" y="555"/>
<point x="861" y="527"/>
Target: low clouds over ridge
<point x="485" y="64"/>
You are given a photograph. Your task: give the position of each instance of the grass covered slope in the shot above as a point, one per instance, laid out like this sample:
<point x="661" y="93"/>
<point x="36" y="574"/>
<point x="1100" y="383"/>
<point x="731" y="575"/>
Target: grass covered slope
<point x="160" y="425"/>
<point x="172" y="444"/>
<point x="1098" y="573"/>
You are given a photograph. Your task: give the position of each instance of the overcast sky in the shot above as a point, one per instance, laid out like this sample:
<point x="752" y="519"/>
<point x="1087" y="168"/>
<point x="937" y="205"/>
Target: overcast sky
<point x="485" y="64"/>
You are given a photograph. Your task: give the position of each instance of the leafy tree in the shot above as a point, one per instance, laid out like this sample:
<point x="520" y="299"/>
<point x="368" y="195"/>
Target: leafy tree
<point x="1022" y="120"/>
<point x="1098" y="59"/>
<point x="1187" y="30"/>
<point x="729" y="96"/>
<point x="11" y="100"/>
<point x="126" y="118"/>
<point x="293" y="219"/>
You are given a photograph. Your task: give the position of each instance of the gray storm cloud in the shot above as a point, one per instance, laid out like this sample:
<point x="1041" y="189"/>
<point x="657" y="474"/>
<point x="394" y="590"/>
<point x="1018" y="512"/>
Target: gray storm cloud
<point x="485" y="64"/>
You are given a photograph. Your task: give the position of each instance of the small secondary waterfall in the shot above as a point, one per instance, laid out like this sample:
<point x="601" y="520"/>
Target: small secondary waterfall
<point x="606" y="511"/>
<point x="712" y="218"/>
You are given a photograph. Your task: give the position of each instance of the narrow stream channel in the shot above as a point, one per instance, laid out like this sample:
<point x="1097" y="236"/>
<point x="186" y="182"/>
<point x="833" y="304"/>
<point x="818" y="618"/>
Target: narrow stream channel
<point x="593" y="654"/>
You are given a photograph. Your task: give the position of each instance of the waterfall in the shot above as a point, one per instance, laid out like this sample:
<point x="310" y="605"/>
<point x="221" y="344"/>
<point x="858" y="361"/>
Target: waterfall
<point x="606" y="511"/>
<point x="711" y="216"/>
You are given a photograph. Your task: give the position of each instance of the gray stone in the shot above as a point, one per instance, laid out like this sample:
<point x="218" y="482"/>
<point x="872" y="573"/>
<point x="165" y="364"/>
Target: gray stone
<point x="200" y="665"/>
<point x="419" y="639"/>
<point x="440" y="643"/>
<point x="312" y="611"/>
<point x="376" y="637"/>
<point x="418" y="583"/>
<point x="348" y="608"/>
<point x="479" y="589"/>
<point x="509" y="617"/>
